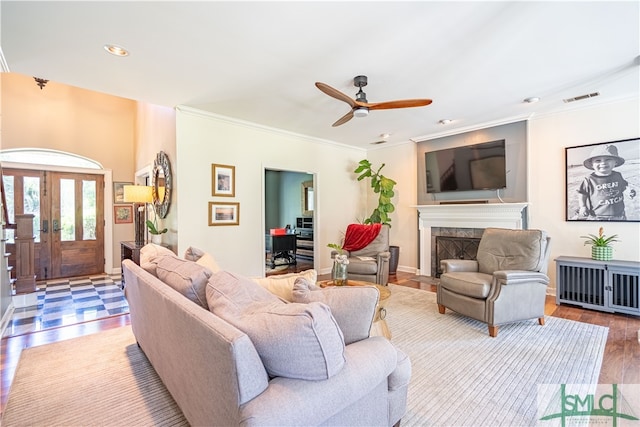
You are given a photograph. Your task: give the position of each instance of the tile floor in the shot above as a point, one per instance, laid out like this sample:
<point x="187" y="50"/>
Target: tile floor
<point x="70" y="301"/>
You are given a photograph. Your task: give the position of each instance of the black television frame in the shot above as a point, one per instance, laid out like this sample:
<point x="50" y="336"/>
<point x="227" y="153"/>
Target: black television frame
<point x="428" y="175"/>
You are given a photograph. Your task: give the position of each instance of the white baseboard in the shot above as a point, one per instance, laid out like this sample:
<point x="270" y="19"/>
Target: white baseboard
<point x="6" y="318"/>
<point x="25" y="300"/>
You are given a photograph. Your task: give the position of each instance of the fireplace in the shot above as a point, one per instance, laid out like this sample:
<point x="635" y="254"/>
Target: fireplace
<point x="462" y="220"/>
<point x="453" y="247"/>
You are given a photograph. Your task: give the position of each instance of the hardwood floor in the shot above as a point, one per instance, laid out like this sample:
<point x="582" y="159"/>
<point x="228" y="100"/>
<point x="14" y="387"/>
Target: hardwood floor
<point x="621" y="363"/>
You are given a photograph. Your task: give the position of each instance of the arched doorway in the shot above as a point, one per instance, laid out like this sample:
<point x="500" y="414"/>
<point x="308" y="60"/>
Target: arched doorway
<point x="65" y="193"/>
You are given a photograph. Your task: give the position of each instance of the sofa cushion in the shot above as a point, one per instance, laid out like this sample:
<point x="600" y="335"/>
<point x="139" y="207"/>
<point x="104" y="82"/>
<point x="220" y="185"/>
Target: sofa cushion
<point x="353" y="307"/>
<point x="282" y="284"/>
<point x="149" y="251"/>
<point x="201" y="257"/>
<point x="186" y="277"/>
<point x="359" y="266"/>
<point x="471" y="284"/>
<point x="300" y="341"/>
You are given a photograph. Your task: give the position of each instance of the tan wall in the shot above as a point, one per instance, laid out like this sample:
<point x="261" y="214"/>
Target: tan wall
<point x="60" y="117"/>
<point x="155" y="132"/>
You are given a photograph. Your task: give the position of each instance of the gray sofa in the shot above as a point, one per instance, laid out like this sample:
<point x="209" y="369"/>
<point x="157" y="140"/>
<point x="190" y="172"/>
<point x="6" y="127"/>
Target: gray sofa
<point x="217" y="375"/>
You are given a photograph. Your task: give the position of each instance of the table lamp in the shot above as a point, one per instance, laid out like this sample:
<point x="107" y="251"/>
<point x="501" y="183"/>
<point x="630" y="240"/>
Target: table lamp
<point x="139" y="195"/>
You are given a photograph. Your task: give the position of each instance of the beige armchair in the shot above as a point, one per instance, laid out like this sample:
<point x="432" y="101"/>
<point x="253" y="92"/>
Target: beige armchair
<point x="375" y="270"/>
<point x="507" y="283"/>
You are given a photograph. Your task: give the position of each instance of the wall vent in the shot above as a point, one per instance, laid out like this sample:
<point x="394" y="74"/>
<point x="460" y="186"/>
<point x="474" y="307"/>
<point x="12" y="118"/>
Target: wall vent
<point x="581" y="97"/>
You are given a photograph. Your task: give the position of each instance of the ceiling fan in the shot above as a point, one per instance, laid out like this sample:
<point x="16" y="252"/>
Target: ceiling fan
<point x="360" y="107"/>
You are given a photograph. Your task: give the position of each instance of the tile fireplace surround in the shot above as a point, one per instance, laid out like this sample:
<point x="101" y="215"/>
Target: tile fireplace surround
<point x="484" y="215"/>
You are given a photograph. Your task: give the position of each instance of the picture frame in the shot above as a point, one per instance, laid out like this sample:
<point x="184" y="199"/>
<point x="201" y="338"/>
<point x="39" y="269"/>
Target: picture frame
<point x="118" y="191"/>
<point x="223" y="180"/>
<point x="221" y="213"/>
<point x="607" y="192"/>
<point x="123" y="214"/>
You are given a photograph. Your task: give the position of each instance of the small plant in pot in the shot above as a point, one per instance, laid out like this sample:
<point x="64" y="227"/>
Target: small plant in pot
<point x="340" y="262"/>
<point x="600" y="248"/>
<point x="156" y="235"/>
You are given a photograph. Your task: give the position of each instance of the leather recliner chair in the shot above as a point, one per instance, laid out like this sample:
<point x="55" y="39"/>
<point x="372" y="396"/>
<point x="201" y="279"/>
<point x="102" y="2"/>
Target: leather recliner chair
<point x="507" y="283"/>
<point x="374" y="270"/>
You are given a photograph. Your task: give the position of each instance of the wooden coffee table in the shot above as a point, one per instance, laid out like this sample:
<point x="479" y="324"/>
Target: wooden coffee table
<point x="379" y="326"/>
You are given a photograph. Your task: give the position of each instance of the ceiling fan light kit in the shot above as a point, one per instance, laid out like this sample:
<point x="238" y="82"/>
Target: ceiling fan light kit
<point x="361" y="112"/>
<point x="360" y="107"/>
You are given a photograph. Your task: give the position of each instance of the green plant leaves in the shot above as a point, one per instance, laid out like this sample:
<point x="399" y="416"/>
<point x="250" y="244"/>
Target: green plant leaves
<point x="381" y="185"/>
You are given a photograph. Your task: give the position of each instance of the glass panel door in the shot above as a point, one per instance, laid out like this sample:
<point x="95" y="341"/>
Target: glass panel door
<point x="68" y="220"/>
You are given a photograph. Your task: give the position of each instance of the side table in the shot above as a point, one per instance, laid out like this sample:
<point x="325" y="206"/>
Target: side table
<point x="129" y="250"/>
<point x="379" y="326"/>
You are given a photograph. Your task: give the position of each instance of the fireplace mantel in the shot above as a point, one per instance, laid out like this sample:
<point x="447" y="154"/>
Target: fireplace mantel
<point x="481" y="215"/>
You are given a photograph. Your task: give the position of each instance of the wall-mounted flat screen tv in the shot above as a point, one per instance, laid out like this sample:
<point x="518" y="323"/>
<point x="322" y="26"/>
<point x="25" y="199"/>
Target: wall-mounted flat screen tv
<point x="471" y="167"/>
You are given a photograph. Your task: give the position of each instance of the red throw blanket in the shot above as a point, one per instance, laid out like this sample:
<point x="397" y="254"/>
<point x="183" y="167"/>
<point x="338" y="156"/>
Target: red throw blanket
<point x="359" y="235"/>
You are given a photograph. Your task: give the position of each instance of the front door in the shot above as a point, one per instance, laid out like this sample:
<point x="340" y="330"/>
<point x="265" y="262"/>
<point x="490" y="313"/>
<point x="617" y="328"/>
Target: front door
<point x="68" y="219"/>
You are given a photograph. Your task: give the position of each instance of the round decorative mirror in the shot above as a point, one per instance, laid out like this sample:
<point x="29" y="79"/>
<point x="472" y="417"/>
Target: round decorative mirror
<point x="161" y="181"/>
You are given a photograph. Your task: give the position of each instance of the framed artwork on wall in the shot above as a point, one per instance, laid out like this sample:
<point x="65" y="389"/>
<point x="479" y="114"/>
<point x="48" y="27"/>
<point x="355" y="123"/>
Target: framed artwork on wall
<point x="123" y="214"/>
<point x="118" y="191"/>
<point x="603" y="181"/>
<point x="224" y="213"/>
<point x="223" y="180"/>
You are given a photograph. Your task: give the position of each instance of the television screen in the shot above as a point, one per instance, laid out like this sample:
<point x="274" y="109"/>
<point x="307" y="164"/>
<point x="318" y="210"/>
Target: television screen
<point x="471" y="167"/>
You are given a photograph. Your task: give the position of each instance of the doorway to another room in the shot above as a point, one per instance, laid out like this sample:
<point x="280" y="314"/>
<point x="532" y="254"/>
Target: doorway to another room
<point x="289" y="221"/>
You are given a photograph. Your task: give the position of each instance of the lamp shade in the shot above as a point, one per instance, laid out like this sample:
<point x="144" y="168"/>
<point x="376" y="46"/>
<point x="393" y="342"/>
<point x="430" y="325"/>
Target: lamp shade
<point x="137" y="194"/>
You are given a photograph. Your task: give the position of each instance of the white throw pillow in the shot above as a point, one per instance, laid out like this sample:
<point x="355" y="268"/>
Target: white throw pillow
<point x="282" y="284"/>
<point x="300" y="341"/>
<point x="203" y="258"/>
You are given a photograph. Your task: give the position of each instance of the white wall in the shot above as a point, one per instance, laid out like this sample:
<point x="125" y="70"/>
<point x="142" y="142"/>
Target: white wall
<point x="203" y="139"/>
<point x="548" y="137"/>
<point x="400" y="165"/>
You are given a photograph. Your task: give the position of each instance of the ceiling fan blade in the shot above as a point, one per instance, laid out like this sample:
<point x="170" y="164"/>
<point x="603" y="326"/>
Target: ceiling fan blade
<point x="344" y="119"/>
<point x="406" y="103"/>
<point x="334" y="93"/>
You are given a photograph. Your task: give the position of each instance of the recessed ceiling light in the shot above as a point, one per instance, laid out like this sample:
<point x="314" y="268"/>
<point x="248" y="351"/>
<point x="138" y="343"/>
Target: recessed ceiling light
<point x="531" y="100"/>
<point x="116" y="50"/>
<point x="445" y="121"/>
<point x="385" y="135"/>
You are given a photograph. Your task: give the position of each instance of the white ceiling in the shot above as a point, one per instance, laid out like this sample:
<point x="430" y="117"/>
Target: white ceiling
<point x="258" y="61"/>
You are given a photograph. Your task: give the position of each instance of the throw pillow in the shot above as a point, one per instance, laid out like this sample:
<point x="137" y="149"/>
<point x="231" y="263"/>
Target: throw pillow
<point x="300" y="341"/>
<point x="282" y="284"/>
<point x="201" y="257"/>
<point x="186" y="277"/>
<point x="353" y="307"/>
<point x="150" y="251"/>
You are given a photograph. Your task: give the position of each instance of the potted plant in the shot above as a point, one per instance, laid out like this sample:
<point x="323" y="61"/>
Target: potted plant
<point x="382" y="186"/>
<point x="340" y="262"/>
<point x="600" y="248"/>
<point x="156" y="235"/>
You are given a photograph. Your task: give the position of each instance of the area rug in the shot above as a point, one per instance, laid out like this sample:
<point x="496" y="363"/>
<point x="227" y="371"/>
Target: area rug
<point x="461" y="376"/>
<point x="102" y="379"/>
